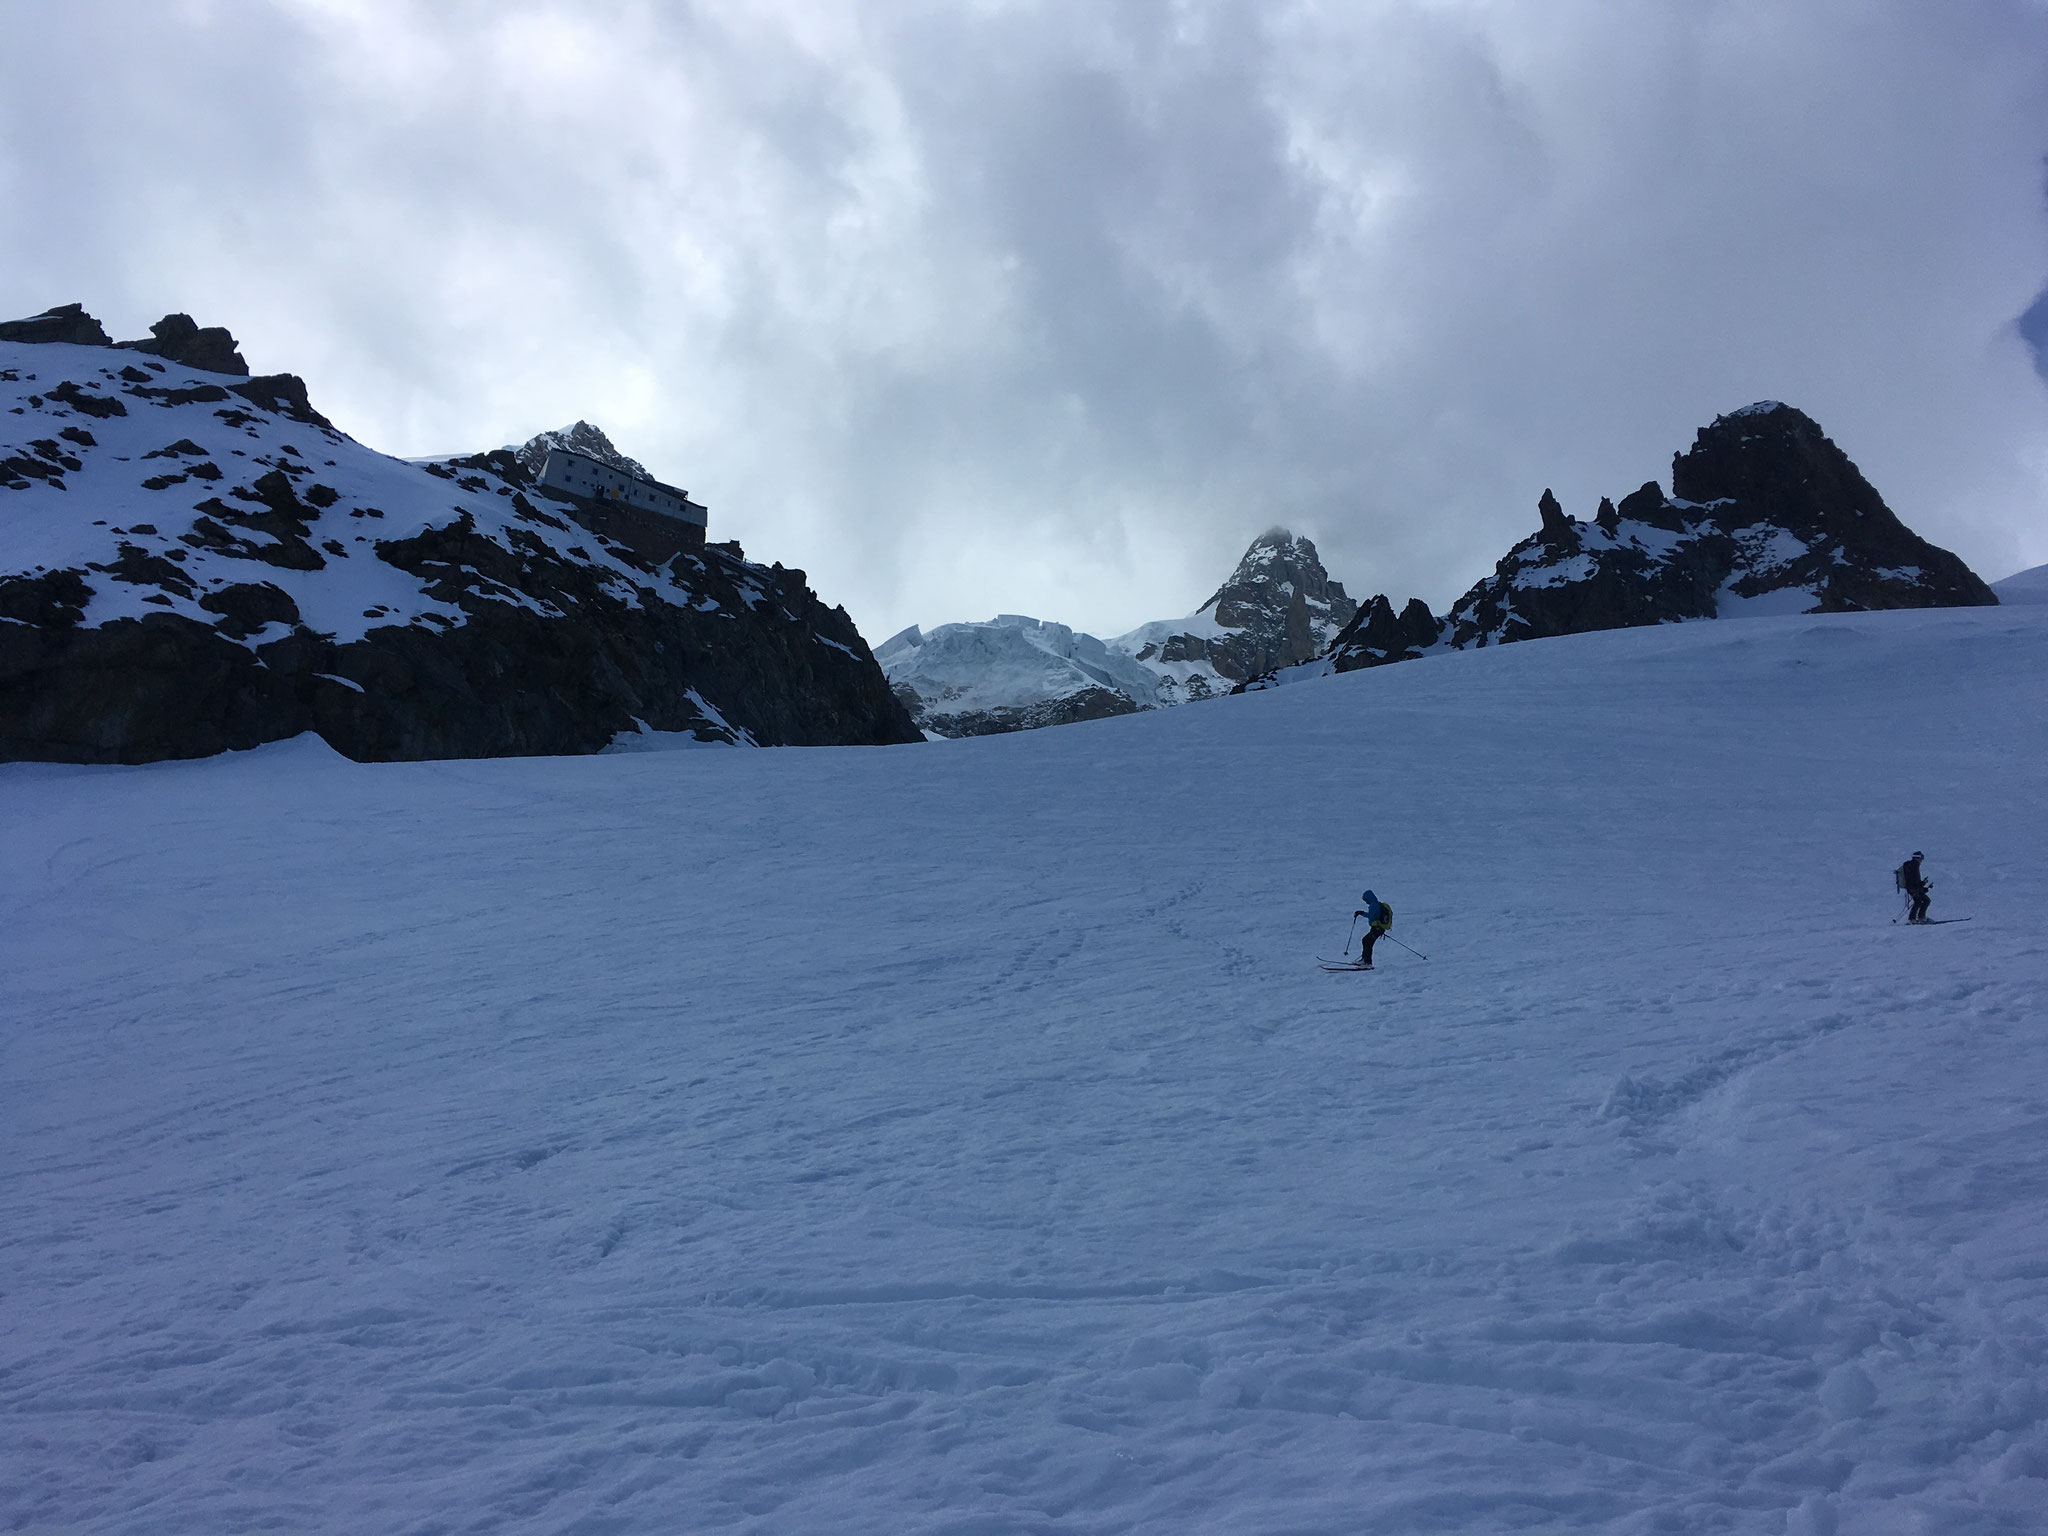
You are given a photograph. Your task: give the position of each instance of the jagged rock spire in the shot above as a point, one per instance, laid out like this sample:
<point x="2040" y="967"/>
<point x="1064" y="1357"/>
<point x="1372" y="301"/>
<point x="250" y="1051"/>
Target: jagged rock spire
<point x="1556" y="529"/>
<point x="1280" y="604"/>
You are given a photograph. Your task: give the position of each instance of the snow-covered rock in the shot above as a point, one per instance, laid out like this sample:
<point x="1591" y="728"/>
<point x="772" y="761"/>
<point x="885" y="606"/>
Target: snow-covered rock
<point x="580" y="437"/>
<point x="1012" y="673"/>
<point x="193" y="560"/>
<point x="1766" y="515"/>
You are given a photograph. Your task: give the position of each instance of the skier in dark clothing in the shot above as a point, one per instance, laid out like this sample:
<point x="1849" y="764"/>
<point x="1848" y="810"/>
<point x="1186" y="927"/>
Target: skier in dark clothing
<point x="1379" y="918"/>
<point x="1914" y="884"/>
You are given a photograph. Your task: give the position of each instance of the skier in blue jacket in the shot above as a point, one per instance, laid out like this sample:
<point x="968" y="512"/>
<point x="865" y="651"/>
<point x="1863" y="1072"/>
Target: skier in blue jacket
<point x="1379" y="917"/>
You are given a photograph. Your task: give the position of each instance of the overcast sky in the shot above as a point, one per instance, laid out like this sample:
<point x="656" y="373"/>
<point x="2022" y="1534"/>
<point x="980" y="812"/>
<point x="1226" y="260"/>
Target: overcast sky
<point x="974" y="306"/>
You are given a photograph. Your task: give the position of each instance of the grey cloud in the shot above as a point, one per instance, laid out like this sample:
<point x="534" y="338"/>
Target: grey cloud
<point x="1051" y="307"/>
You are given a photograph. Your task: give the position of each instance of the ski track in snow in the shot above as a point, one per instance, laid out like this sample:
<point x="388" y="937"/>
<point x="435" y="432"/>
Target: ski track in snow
<point x="961" y="1138"/>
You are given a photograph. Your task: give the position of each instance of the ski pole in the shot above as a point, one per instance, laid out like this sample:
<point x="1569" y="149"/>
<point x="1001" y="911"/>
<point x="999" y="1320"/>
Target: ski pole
<point x="1418" y="954"/>
<point x="1348" y="937"/>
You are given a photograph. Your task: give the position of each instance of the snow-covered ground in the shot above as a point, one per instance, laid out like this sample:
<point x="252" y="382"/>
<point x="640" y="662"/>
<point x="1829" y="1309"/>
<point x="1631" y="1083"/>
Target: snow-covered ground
<point x="961" y="1138"/>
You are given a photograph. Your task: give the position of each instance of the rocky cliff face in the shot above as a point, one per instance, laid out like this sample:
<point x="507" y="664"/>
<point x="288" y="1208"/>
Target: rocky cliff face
<point x="1766" y="515"/>
<point x="1014" y="673"/>
<point x="1279" y="607"/>
<point x="195" y="561"/>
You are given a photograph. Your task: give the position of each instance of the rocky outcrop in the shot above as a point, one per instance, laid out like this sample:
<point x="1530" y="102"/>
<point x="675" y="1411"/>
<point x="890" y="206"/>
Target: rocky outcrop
<point x="67" y="323"/>
<point x="177" y="339"/>
<point x="1378" y="635"/>
<point x="215" y="566"/>
<point x="1766" y="515"/>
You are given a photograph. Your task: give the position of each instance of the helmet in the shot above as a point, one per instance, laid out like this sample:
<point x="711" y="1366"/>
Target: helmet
<point x="1918" y="854"/>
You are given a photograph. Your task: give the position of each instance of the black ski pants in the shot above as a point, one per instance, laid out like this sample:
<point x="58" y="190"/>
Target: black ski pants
<point x="1372" y="937"/>
<point x="1921" y="895"/>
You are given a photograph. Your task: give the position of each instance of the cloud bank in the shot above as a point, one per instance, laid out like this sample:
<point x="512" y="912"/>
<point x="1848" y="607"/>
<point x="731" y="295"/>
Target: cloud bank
<point x="1050" y="307"/>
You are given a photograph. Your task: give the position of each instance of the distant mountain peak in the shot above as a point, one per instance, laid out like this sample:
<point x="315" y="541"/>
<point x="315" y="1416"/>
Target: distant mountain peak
<point x="580" y="437"/>
<point x="1278" y="603"/>
<point x="1012" y="673"/>
<point x="1277" y="556"/>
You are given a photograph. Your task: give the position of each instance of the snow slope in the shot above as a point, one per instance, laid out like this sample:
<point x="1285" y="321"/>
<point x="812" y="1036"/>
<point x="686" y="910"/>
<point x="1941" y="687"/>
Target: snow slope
<point x="961" y="1139"/>
<point x="2028" y="586"/>
<point x="152" y="443"/>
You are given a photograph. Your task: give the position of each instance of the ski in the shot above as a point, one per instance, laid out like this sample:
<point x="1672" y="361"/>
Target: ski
<point x="1936" y="922"/>
<point x="1341" y="965"/>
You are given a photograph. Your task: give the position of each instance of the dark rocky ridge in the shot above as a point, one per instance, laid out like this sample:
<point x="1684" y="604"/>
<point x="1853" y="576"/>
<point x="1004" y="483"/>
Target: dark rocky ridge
<point x="507" y="682"/>
<point x="67" y="323"/>
<point x="1763" y="503"/>
<point x="231" y="588"/>
<point x="1766" y="514"/>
